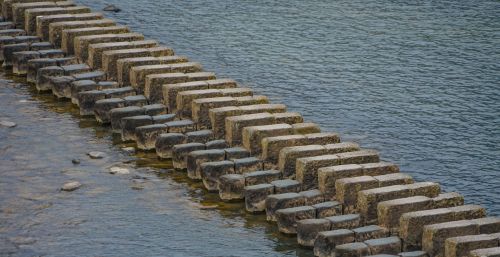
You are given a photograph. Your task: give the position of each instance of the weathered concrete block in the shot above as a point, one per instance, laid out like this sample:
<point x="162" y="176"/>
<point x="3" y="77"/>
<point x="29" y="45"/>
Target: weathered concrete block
<point x="200" y="109"/>
<point x="153" y="88"/>
<point x="95" y="50"/>
<point x="9" y="50"/>
<point x="196" y="158"/>
<point x="390" y="211"/>
<point x="308" y="229"/>
<point x="154" y="109"/>
<point x="411" y="224"/>
<point x="74" y="69"/>
<point x="43" y="77"/>
<point x="165" y="143"/>
<point x="327" y="209"/>
<point x="184" y="100"/>
<point x="216" y="144"/>
<point x="326" y="241"/>
<point x="393" y="179"/>
<point x="261" y="177"/>
<point x="252" y="136"/>
<point x="211" y="173"/>
<point x="357" y="157"/>
<point x="255" y="197"/>
<point x="146" y="135"/>
<point x="289" y="155"/>
<point x="130" y="123"/>
<point x="307" y="169"/>
<point x="43" y="22"/>
<point x="102" y="108"/>
<point x="80" y="86"/>
<point x="347" y="190"/>
<point x="117" y="114"/>
<point x="287" y="218"/>
<point x="180" y="126"/>
<point x="81" y="43"/>
<point x="288" y="117"/>
<point x="236" y="124"/>
<point x="125" y="66"/>
<point x="486" y="252"/>
<point x="69" y="35"/>
<point x="135" y="100"/>
<point x="280" y="201"/>
<point x="246" y="165"/>
<point x="461" y="246"/>
<point x="434" y="236"/>
<point x="387" y="245"/>
<point x="137" y="75"/>
<point x="170" y="91"/>
<point x="121" y="92"/>
<point x="180" y="153"/>
<point x="369" y="199"/>
<point x="286" y="186"/>
<point x="20" y="61"/>
<point x="313" y="196"/>
<point x="236" y="153"/>
<point x="56" y="28"/>
<point x="30" y="15"/>
<point x="348" y="221"/>
<point x="447" y="200"/>
<point x="110" y="58"/>
<point x="231" y="187"/>
<point x="87" y="100"/>
<point x="352" y="250"/>
<point x="61" y="86"/>
<point x="306" y="128"/>
<point x="35" y="64"/>
<point x="164" y="118"/>
<point x="488" y="225"/>
<point x="370" y="232"/>
<point x="18" y="9"/>
<point x="200" y="136"/>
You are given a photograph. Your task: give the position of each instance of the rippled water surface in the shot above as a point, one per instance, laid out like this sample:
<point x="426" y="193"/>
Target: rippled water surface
<point x="418" y="81"/>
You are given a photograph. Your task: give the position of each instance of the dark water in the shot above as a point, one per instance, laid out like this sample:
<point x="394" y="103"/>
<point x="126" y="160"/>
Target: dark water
<point x="417" y="80"/>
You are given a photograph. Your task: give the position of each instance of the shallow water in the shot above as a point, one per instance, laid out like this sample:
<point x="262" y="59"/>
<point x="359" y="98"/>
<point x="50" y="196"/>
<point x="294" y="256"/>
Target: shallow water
<point x="417" y="81"/>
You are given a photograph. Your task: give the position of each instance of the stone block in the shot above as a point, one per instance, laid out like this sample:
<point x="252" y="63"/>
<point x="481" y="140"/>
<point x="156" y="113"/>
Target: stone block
<point x="390" y="211"/>
<point x="30" y="15"/>
<point x="184" y="100"/>
<point x="82" y="43"/>
<point x="255" y="197"/>
<point x="352" y="250"/>
<point x="146" y="135"/>
<point x="289" y="155"/>
<point x="216" y="144"/>
<point x="135" y="100"/>
<point x="180" y="126"/>
<point x="165" y="143"/>
<point x="280" y="201"/>
<point x="486" y="252"/>
<point x="326" y="241"/>
<point x="286" y="186"/>
<point x="287" y="218"/>
<point x="117" y="114"/>
<point x="170" y="91"/>
<point x="20" y="61"/>
<point x="327" y="209"/>
<point x="121" y="92"/>
<point x="261" y="177"/>
<point x="201" y="136"/>
<point x="180" y="153"/>
<point x="81" y="86"/>
<point x="43" y="22"/>
<point x="153" y="89"/>
<point x="246" y="165"/>
<point x="347" y="221"/>
<point x="288" y="117"/>
<point x="236" y="153"/>
<point x="130" y="123"/>
<point x="56" y="28"/>
<point x="379" y="168"/>
<point x="95" y="50"/>
<point x="307" y="230"/>
<point x="313" y="196"/>
<point x="200" y="109"/>
<point x="461" y="246"/>
<point x="154" y="109"/>
<point x="125" y="66"/>
<point x="61" y="86"/>
<point x="236" y="124"/>
<point x="393" y="179"/>
<point x="387" y="245"/>
<point x="434" y="236"/>
<point x="164" y="118"/>
<point x="413" y="254"/>
<point x="253" y="135"/>
<point x="35" y="64"/>
<point x="307" y="169"/>
<point x="231" y="187"/>
<point x="9" y="50"/>
<point x="69" y="35"/>
<point x="102" y="109"/>
<point x="347" y="190"/>
<point x="43" y="77"/>
<point x="370" y="232"/>
<point x="87" y="100"/>
<point x="447" y="200"/>
<point x="211" y="173"/>
<point x="196" y="158"/>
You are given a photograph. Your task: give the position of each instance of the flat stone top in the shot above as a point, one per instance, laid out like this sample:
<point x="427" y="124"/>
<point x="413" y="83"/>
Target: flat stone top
<point x="383" y="241"/>
<point x="258" y="187"/>
<point x="249" y="117"/>
<point x="74" y="23"/>
<point x="262" y="173"/>
<point x="377" y="165"/>
<point x="336" y="233"/>
<point x="103" y="36"/>
<point x="91" y="29"/>
<point x="302" y="148"/>
<point x="355" y="180"/>
<point x="328" y="204"/>
<point x="199" y="92"/>
<point x="262" y="107"/>
<point x="189" y="84"/>
<point x="340" y="168"/>
<point x="55" y="9"/>
<point x="187" y="146"/>
<point x="151" y="127"/>
<point x="285" y="196"/>
<point x="222" y="163"/>
<point x="269" y="127"/>
<point x="486" y="251"/>
<point x="472" y="238"/>
<point x="283" y="138"/>
<point x="246" y="160"/>
<point x="134" y="97"/>
<point x="109" y="101"/>
<point x="65" y="15"/>
<point x="203" y="132"/>
<point x="367" y="229"/>
<point x="358" y="153"/>
<point x="313" y="222"/>
<point x="85" y="82"/>
<point x="234" y="89"/>
<point x="153" y="106"/>
<point x="321" y="135"/>
<point x="342" y="145"/>
<point x="123" y="43"/>
<point x="152" y="66"/>
<point x="352" y="246"/>
<point x="235" y="149"/>
<point x="343" y="218"/>
<point x="311" y="193"/>
<point x="224" y="109"/>
<point x="138" y="117"/>
<point x="178" y="123"/>
<point x="167" y="135"/>
<point x="207" y="152"/>
<point x="287" y="114"/>
<point x="168" y="75"/>
<point x="235" y="177"/>
<point x="295" y="209"/>
<point x="393" y="176"/>
<point x="92" y="92"/>
<point x="406" y="200"/>
<point x="285" y="182"/>
<point x="318" y="158"/>
<point x="126" y="109"/>
<point x="450" y="224"/>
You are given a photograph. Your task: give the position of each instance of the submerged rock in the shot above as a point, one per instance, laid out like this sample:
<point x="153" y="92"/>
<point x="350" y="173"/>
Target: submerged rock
<point x="111" y="8"/>
<point x="75" y="161"/>
<point x="96" y="155"/>
<point x="8" y="124"/>
<point x="71" y="186"/>
<point x="119" y="170"/>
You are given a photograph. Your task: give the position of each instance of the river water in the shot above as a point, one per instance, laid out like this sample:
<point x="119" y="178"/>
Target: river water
<point x="418" y="81"/>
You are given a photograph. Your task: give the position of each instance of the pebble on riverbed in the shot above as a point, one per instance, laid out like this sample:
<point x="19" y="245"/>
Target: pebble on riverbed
<point x="71" y="186"/>
<point x="119" y="170"/>
<point x="8" y="124"/>
<point x="96" y="155"/>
